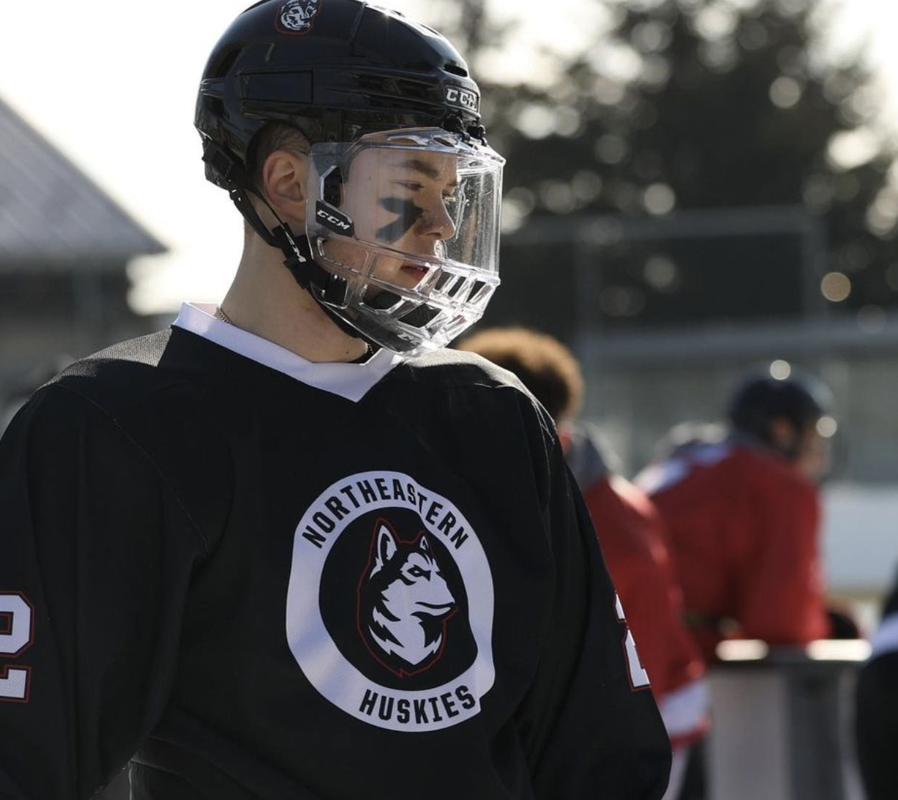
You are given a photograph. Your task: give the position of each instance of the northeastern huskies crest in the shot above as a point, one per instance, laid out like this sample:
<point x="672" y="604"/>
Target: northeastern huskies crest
<point x="390" y="604"/>
<point x="297" y="16"/>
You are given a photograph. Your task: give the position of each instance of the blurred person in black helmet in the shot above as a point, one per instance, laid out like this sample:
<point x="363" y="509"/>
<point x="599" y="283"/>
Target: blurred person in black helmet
<point x="291" y="547"/>
<point x="743" y="510"/>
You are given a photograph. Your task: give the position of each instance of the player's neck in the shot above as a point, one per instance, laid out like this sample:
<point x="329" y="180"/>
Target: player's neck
<point x="265" y="299"/>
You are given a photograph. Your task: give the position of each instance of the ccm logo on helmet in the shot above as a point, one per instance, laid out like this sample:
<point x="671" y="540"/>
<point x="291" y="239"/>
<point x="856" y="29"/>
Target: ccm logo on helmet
<point x="333" y="220"/>
<point x="462" y="97"/>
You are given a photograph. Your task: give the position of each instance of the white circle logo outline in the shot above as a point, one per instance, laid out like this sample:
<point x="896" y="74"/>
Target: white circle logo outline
<point x="318" y="656"/>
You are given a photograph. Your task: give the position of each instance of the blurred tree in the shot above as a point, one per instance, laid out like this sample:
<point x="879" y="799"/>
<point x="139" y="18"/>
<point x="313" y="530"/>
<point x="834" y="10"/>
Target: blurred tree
<point x="745" y="109"/>
<point x="697" y="104"/>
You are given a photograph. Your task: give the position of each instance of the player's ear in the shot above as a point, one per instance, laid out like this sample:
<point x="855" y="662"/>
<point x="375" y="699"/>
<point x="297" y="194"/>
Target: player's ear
<point x="284" y="176"/>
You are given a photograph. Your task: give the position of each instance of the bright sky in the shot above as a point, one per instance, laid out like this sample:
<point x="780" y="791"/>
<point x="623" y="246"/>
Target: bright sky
<point x="113" y="86"/>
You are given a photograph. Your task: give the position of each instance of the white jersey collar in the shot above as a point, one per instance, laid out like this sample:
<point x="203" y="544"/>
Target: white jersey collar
<point x="350" y="381"/>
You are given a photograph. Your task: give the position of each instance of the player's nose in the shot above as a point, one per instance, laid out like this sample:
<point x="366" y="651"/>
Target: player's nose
<point x="437" y="221"/>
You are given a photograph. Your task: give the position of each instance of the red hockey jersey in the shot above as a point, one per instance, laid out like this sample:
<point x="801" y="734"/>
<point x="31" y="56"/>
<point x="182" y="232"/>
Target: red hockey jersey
<point x="634" y="543"/>
<point x="743" y="527"/>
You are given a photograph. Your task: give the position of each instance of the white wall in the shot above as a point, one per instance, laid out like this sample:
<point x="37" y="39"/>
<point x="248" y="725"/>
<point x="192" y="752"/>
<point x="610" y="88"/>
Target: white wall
<point x="860" y="538"/>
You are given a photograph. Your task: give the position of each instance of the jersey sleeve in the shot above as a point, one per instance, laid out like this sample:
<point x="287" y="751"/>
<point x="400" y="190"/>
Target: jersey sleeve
<point x="633" y="541"/>
<point x="781" y="592"/>
<point x="96" y="554"/>
<point x="590" y="726"/>
<point x="876" y="708"/>
<point x="876" y="725"/>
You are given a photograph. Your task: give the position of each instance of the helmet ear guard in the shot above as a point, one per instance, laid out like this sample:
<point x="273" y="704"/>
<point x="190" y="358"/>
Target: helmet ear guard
<point x="222" y="167"/>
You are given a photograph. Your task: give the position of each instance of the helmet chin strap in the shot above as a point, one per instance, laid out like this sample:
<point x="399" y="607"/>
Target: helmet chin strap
<point x="325" y="288"/>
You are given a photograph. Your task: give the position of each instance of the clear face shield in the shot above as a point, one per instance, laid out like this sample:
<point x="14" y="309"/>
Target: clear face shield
<point x="410" y="219"/>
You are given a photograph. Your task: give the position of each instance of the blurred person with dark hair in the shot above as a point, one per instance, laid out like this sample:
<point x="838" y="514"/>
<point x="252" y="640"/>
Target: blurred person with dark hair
<point x="876" y="721"/>
<point x="743" y="511"/>
<point x="629" y="529"/>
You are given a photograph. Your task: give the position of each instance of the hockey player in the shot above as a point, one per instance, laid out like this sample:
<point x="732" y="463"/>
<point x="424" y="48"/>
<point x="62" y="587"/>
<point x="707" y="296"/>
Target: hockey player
<point x="743" y="513"/>
<point x="290" y="547"/>
<point x="629" y="529"/>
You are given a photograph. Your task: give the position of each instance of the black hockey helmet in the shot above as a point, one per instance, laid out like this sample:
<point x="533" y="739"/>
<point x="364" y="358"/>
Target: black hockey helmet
<point x="334" y="69"/>
<point x="761" y="399"/>
<point x="365" y="86"/>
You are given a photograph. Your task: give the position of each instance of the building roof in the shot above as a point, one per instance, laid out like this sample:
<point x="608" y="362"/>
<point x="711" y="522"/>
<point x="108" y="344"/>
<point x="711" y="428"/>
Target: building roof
<point x="53" y="214"/>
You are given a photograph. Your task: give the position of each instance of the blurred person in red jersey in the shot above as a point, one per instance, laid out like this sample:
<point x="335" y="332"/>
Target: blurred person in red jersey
<point x="630" y="531"/>
<point x="742" y="508"/>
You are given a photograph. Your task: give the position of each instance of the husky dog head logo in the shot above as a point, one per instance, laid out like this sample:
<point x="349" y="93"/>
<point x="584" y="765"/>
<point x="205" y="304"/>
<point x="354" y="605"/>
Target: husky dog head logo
<point x="391" y="604"/>
<point x="297" y="16"/>
<point x="404" y="602"/>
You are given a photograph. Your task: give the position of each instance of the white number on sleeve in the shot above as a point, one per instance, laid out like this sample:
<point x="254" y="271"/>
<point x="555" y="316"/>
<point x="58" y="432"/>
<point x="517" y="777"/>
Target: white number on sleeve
<point x="639" y="678"/>
<point x="16" y="635"/>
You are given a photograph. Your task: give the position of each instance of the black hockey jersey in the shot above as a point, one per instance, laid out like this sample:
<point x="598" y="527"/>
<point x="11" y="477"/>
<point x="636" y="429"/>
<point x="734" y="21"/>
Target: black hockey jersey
<point x="876" y="707"/>
<point x="259" y="577"/>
